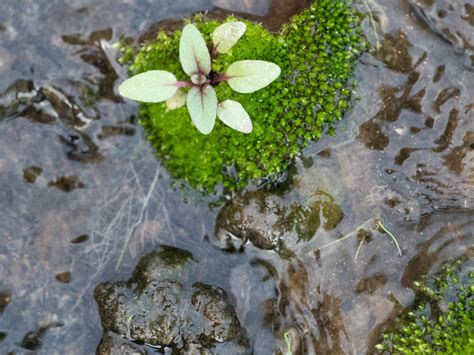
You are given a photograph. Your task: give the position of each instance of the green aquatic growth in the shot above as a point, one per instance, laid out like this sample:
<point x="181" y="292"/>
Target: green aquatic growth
<point x="244" y="76"/>
<point x="316" y="52"/>
<point x="442" y="320"/>
<point x="287" y="338"/>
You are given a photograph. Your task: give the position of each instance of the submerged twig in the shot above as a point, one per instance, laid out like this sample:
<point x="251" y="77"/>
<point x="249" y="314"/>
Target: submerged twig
<point x="140" y="219"/>
<point x="359" y="249"/>
<point x="286" y="336"/>
<point x="121" y="217"/>
<point x="338" y="240"/>
<point x="355" y="231"/>
<point x="381" y="225"/>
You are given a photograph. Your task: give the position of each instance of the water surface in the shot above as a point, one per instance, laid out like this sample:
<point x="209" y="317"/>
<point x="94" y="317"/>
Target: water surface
<point x="82" y="196"/>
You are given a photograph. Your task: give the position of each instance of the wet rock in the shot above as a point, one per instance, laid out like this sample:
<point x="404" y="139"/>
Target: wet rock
<point x="41" y="112"/>
<point x="5" y="299"/>
<point x="15" y="97"/>
<point x="33" y="339"/>
<point x="112" y="131"/>
<point x="277" y="13"/>
<point x="162" y="305"/>
<point x="80" y="239"/>
<point x="453" y="20"/>
<point x="372" y="136"/>
<point x="64" y="106"/>
<point x="371" y="283"/>
<point x="272" y="220"/>
<point x="395" y="52"/>
<point x="259" y="8"/>
<point x="48" y="105"/>
<point x="63" y="277"/>
<point x="5" y="59"/>
<point x="114" y="345"/>
<point x="31" y="173"/>
<point x="81" y="147"/>
<point x="373" y="133"/>
<point x="67" y="183"/>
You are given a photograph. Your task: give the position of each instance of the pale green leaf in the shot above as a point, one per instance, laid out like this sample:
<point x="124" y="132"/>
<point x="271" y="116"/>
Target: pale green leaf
<point x="193" y="53"/>
<point x="177" y="101"/>
<point x="226" y="35"/>
<point x="198" y="79"/>
<point x="150" y="86"/>
<point x="202" y="107"/>
<point x="247" y="76"/>
<point x="234" y="115"/>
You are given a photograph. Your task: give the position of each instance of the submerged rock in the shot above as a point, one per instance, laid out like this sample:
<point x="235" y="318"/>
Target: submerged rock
<point x="113" y="344"/>
<point x="272" y="220"/>
<point x="453" y="20"/>
<point x="163" y="305"/>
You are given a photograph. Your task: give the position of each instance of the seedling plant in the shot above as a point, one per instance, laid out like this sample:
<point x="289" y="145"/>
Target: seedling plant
<point x="244" y="76"/>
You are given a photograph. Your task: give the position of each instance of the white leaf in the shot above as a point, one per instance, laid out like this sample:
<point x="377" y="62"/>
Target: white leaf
<point x="226" y="35"/>
<point x="150" y="86"/>
<point x="202" y="107"/>
<point x="177" y="101"/>
<point x="247" y="76"/>
<point x="193" y="53"/>
<point x="234" y="115"/>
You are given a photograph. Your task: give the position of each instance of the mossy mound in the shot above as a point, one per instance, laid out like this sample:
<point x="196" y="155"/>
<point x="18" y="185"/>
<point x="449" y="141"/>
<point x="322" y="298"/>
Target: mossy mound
<point x="442" y="320"/>
<point x="316" y="52"/>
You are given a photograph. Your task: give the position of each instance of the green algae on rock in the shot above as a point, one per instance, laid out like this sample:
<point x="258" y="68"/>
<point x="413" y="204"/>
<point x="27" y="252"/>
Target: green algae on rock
<point x="281" y="220"/>
<point x="316" y="52"/>
<point x="442" y="320"/>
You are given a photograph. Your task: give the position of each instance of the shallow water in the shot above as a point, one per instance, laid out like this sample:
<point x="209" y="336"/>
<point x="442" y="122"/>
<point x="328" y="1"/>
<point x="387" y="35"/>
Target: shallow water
<point x="82" y="196"/>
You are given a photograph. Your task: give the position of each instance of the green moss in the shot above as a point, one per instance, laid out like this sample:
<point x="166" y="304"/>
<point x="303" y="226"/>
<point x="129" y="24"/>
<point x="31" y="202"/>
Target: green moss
<point x="442" y="320"/>
<point x="316" y="52"/>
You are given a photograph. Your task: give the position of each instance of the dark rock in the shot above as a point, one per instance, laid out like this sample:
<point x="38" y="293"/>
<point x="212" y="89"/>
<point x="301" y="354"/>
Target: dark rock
<point x="64" y="277"/>
<point x="162" y="305"/>
<point x="81" y="239"/>
<point x="33" y="339"/>
<point x="5" y="299"/>
<point x="67" y="183"/>
<point x="31" y="173"/>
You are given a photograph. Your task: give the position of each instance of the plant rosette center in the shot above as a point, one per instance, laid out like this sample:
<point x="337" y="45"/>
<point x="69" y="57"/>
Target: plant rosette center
<point x="199" y="79"/>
